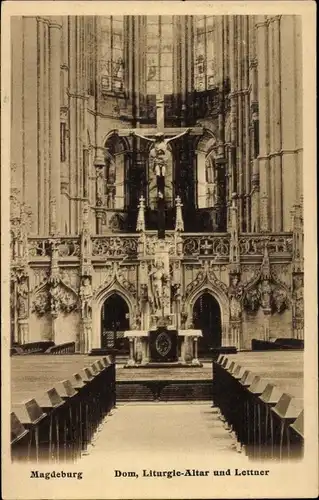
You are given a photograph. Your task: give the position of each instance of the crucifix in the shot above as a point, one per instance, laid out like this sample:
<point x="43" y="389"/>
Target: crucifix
<point x="159" y="154"/>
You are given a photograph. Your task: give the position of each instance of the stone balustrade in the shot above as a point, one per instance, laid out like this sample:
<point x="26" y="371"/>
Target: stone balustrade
<point x="199" y="245"/>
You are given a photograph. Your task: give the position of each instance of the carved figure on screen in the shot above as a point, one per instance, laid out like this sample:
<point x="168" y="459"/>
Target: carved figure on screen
<point x="158" y="278"/>
<point x="265" y="293"/>
<point x="159" y="151"/>
<point x="22" y="299"/>
<point x="235" y="293"/>
<point x="99" y="186"/>
<point x="86" y="297"/>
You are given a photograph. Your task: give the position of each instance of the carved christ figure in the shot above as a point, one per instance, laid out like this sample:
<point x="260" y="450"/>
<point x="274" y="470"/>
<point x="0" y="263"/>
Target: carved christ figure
<point x="159" y="151"/>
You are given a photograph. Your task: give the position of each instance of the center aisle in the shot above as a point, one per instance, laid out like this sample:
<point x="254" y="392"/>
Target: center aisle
<point x="176" y="428"/>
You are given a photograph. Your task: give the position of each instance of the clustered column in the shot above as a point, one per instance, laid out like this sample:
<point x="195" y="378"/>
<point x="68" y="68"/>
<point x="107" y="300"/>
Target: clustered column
<point x="54" y="122"/>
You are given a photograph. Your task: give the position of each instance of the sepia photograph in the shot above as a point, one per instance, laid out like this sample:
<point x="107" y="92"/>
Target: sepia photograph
<point x="155" y="261"/>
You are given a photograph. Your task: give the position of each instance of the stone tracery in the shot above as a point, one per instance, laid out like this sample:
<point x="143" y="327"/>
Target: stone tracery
<point x="90" y="214"/>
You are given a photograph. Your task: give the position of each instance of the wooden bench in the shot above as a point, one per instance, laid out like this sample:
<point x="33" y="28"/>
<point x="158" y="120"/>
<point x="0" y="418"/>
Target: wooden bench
<point x="57" y="404"/>
<point x="260" y="396"/>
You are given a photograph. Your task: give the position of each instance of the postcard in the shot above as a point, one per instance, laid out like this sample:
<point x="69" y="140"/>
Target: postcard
<point x="158" y="252"/>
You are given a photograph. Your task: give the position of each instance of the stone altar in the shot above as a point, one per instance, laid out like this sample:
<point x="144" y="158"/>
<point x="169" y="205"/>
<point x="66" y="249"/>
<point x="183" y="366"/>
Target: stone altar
<point x="162" y="340"/>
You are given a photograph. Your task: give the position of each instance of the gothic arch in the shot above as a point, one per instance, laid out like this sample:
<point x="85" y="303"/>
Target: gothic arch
<point x="206" y="173"/>
<point x="219" y="295"/>
<point x="100" y="297"/>
<point x="113" y="135"/>
<point x="206" y="142"/>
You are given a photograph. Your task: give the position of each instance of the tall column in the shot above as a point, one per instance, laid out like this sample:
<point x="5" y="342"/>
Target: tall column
<point x="64" y="117"/>
<point x="271" y="128"/>
<point x="55" y="58"/>
<point x="263" y="99"/>
<point x="41" y="122"/>
<point x="240" y="128"/>
<point x="299" y="108"/>
<point x="233" y="107"/>
<point x="247" y="176"/>
<point x="29" y="119"/>
<point x="46" y="130"/>
<point x="289" y="98"/>
<point x="183" y="63"/>
<point x="17" y="96"/>
<point x="277" y="125"/>
<point x="254" y="146"/>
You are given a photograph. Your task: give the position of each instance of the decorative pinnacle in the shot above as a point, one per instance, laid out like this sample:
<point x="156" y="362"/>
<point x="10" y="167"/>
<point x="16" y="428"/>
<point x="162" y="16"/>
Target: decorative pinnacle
<point x="179" y="224"/>
<point x="140" y="224"/>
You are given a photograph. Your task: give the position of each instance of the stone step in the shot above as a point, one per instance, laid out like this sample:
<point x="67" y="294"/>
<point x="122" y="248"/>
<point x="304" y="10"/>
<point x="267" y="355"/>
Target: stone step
<point x="200" y="390"/>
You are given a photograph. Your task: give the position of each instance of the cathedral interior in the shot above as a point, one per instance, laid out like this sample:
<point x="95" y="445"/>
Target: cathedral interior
<point x="156" y="183"/>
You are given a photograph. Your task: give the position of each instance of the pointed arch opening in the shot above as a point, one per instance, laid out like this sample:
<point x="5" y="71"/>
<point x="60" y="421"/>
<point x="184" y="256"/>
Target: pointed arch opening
<point x="114" y="322"/>
<point x="207" y="318"/>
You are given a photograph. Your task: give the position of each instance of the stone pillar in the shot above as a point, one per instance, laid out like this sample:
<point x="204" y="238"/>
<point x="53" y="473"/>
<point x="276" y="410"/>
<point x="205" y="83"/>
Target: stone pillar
<point x="30" y="119"/>
<point x="131" y="361"/>
<point x="233" y="107"/>
<point x="42" y="139"/>
<point x="99" y="220"/>
<point x="239" y="159"/>
<point x="195" y="360"/>
<point x="85" y="341"/>
<point x="278" y="216"/>
<point x="54" y="333"/>
<point x="263" y="99"/>
<point x="247" y="147"/>
<point x="290" y="95"/>
<point x="17" y="98"/>
<point x="23" y="331"/>
<point x="266" y="325"/>
<point x="64" y="118"/>
<point x="54" y="90"/>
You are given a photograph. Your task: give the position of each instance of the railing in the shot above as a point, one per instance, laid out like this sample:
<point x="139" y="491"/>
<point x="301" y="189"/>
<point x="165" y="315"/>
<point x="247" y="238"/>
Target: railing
<point x="65" y="348"/>
<point x="69" y="246"/>
<point x="267" y="422"/>
<point x="62" y="430"/>
<point x="254" y="244"/>
<point x="115" y="245"/>
<point x="35" y="347"/>
<point x="194" y="244"/>
<point x="216" y="245"/>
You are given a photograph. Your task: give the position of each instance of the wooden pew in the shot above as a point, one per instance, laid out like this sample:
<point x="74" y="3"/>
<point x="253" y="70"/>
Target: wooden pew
<point x="58" y="423"/>
<point x="260" y="395"/>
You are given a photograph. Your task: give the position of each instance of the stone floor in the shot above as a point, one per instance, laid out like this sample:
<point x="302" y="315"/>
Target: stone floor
<point x="155" y="428"/>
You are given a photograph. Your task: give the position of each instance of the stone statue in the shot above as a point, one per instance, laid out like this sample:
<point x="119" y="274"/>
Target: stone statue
<point x="86" y="297"/>
<point x="265" y="292"/>
<point x="235" y="293"/>
<point x="158" y="277"/>
<point x="55" y="298"/>
<point x="22" y="299"/>
<point x="99" y="186"/>
<point x="159" y="151"/>
<point x="252" y="299"/>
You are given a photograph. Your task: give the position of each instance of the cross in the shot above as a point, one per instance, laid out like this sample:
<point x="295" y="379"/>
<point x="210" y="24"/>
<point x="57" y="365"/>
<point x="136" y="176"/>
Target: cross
<point x="160" y="112"/>
<point x="206" y="247"/>
<point x="169" y="134"/>
<point x="160" y="126"/>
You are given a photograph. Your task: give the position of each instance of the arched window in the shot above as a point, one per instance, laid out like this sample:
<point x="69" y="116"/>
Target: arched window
<point x="207" y="189"/>
<point x="114" y="174"/>
<point x="205" y="62"/>
<point x="159" y="54"/>
<point x="111" y="48"/>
